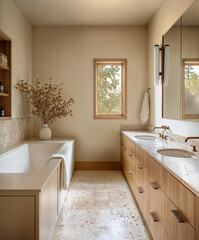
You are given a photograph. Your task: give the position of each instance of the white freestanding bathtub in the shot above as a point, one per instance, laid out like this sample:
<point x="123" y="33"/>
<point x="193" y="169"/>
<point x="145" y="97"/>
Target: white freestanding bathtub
<point x="31" y="187"/>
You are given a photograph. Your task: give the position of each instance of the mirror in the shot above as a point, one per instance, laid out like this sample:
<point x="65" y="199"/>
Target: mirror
<point x="181" y="96"/>
<point x="172" y="92"/>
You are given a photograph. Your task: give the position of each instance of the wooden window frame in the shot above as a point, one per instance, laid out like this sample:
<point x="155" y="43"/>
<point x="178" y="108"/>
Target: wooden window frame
<point x="123" y="64"/>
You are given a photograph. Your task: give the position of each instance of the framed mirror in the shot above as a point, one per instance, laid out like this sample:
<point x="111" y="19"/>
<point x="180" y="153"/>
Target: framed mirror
<point x="181" y="96"/>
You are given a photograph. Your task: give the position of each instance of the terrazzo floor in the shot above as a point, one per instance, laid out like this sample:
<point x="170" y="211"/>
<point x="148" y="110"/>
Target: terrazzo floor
<point x="99" y="206"/>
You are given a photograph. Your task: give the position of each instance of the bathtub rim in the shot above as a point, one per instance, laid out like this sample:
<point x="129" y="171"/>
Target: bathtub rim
<point x="31" y="181"/>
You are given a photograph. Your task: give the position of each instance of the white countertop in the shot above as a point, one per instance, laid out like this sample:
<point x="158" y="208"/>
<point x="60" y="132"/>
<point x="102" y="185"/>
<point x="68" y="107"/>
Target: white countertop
<point x="31" y="181"/>
<point x="186" y="170"/>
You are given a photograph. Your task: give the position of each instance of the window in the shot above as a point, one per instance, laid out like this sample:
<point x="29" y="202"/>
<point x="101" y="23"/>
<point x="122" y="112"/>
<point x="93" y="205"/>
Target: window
<point x="110" y="88"/>
<point x="190" y="88"/>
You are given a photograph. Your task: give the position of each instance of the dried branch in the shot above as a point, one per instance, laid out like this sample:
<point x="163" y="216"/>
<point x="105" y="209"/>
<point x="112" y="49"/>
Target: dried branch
<point x="47" y="100"/>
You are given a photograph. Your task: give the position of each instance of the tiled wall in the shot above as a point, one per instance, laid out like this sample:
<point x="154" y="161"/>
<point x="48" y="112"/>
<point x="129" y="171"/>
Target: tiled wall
<point x="14" y="131"/>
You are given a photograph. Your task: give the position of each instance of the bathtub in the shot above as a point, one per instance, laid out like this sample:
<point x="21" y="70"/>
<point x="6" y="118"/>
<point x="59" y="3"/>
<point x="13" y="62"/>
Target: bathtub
<point x="31" y="189"/>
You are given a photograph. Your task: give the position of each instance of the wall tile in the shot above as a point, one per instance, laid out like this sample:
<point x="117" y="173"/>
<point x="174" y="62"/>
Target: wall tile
<point x="14" y="131"/>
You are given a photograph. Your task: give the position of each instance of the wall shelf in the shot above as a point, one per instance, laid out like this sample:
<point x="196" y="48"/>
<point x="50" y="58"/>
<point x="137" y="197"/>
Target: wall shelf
<point x="5" y="76"/>
<point x="3" y="67"/>
<point x="5" y="118"/>
<point x="4" y="95"/>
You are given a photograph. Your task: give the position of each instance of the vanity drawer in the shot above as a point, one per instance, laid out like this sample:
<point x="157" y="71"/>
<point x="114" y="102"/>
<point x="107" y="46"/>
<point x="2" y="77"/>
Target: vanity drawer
<point x="142" y="158"/>
<point x="187" y="204"/>
<point x="155" y="212"/>
<point x="183" y="199"/>
<point x="131" y="162"/>
<point x="141" y="191"/>
<point x="127" y="143"/>
<point x="174" y="222"/>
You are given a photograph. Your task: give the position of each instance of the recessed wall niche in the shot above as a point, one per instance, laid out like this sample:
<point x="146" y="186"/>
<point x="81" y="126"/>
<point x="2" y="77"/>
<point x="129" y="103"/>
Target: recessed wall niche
<point x="5" y="76"/>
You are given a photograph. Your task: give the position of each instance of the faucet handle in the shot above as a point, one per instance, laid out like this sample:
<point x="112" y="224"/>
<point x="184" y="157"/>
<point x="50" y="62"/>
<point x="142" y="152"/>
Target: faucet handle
<point x="194" y="148"/>
<point x="165" y="127"/>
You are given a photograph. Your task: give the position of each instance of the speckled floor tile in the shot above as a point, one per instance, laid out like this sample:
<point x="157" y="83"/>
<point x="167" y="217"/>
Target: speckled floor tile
<point x="99" y="206"/>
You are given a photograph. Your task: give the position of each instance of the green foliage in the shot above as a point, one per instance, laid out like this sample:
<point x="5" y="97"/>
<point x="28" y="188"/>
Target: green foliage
<point x="191" y="81"/>
<point x="109" y="89"/>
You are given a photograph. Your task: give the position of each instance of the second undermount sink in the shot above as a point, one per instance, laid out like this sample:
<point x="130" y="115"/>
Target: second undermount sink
<point x="146" y="137"/>
<point x="175" y="152"/>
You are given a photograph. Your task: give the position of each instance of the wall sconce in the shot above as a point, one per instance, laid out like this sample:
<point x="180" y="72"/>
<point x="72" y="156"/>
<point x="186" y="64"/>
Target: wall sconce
<point x="157" y="65"/>
<point x="161" y="64"/>
<point x="166" y="65"/>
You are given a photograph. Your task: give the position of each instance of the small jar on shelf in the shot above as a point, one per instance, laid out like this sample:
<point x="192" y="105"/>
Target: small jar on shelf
<point x="2" y="112"/>
<point x="1" y="87"/>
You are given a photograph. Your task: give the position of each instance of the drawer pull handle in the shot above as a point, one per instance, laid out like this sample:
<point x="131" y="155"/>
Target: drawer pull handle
<point x="177" y="216"/>
<point x="130" y="154"/>
<point x="139" y="166"/>
<point x="140" y="190"/>
<point x="125" y="149"/>
<point x="125" y="165"/>
<point x="130" y="172"/>
<point x="154" y="185"/>
<point x="153" y="217"/>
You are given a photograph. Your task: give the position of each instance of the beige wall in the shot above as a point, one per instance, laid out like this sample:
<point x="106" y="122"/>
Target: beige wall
<point x="66" y="54"/>
<point x="15" y="25"/>
<point x="167" y="14"/>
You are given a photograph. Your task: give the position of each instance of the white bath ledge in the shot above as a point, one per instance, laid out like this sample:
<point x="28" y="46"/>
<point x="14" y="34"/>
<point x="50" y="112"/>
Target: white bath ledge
<point x="31" y="181"/>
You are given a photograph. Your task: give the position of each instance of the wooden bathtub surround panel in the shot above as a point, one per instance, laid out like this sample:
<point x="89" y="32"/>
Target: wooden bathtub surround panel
<point x="18" y="221"/>
<point x="87" y="165"/>
<point x="48" y="208"/>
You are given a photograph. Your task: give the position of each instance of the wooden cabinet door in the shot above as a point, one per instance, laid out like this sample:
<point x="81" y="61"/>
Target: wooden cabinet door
<point x="17" y="217"/>
<point x="197" y="218"/>
<point x="182" y="198"/>
<point x="131" y="170"/>
<point x="155" y="212"/>
<point x="141" y="191"/>
<point x="187" y="204"/>
<point x="175" y="223"/>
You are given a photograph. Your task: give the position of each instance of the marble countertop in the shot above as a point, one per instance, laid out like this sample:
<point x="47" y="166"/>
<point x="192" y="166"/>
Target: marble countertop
<point x="186" y="170"/>
<point x="30" y="181"/>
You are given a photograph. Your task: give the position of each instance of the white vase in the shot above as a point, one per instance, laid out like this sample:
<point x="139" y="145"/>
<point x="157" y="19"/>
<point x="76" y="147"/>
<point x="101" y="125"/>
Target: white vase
<point x="45" y="133"/>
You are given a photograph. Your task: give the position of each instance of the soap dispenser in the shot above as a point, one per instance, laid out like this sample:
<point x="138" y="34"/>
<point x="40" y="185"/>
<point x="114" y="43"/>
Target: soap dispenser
<point x="1" y="112"/>
<point x="1" y="87"/>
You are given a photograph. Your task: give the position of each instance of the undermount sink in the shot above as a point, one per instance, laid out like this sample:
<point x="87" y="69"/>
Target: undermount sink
<point x="174" y="152"/>
<point x="145" y="137"/>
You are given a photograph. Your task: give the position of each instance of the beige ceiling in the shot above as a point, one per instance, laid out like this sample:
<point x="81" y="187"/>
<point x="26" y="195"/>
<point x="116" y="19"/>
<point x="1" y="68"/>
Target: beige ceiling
<point x="88" y="12"/>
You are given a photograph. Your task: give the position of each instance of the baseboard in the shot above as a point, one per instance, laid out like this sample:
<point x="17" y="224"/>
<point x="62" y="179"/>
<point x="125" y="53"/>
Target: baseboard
<point x="97" y="165"/>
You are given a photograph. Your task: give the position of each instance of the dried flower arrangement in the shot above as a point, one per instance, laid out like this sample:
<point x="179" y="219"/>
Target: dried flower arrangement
<point x="47" y="100"/>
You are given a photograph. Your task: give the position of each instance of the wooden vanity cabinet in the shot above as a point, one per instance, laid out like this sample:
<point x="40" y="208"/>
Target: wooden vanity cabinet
<point x="169" y="208"/>
<point x="182" y="197"/>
